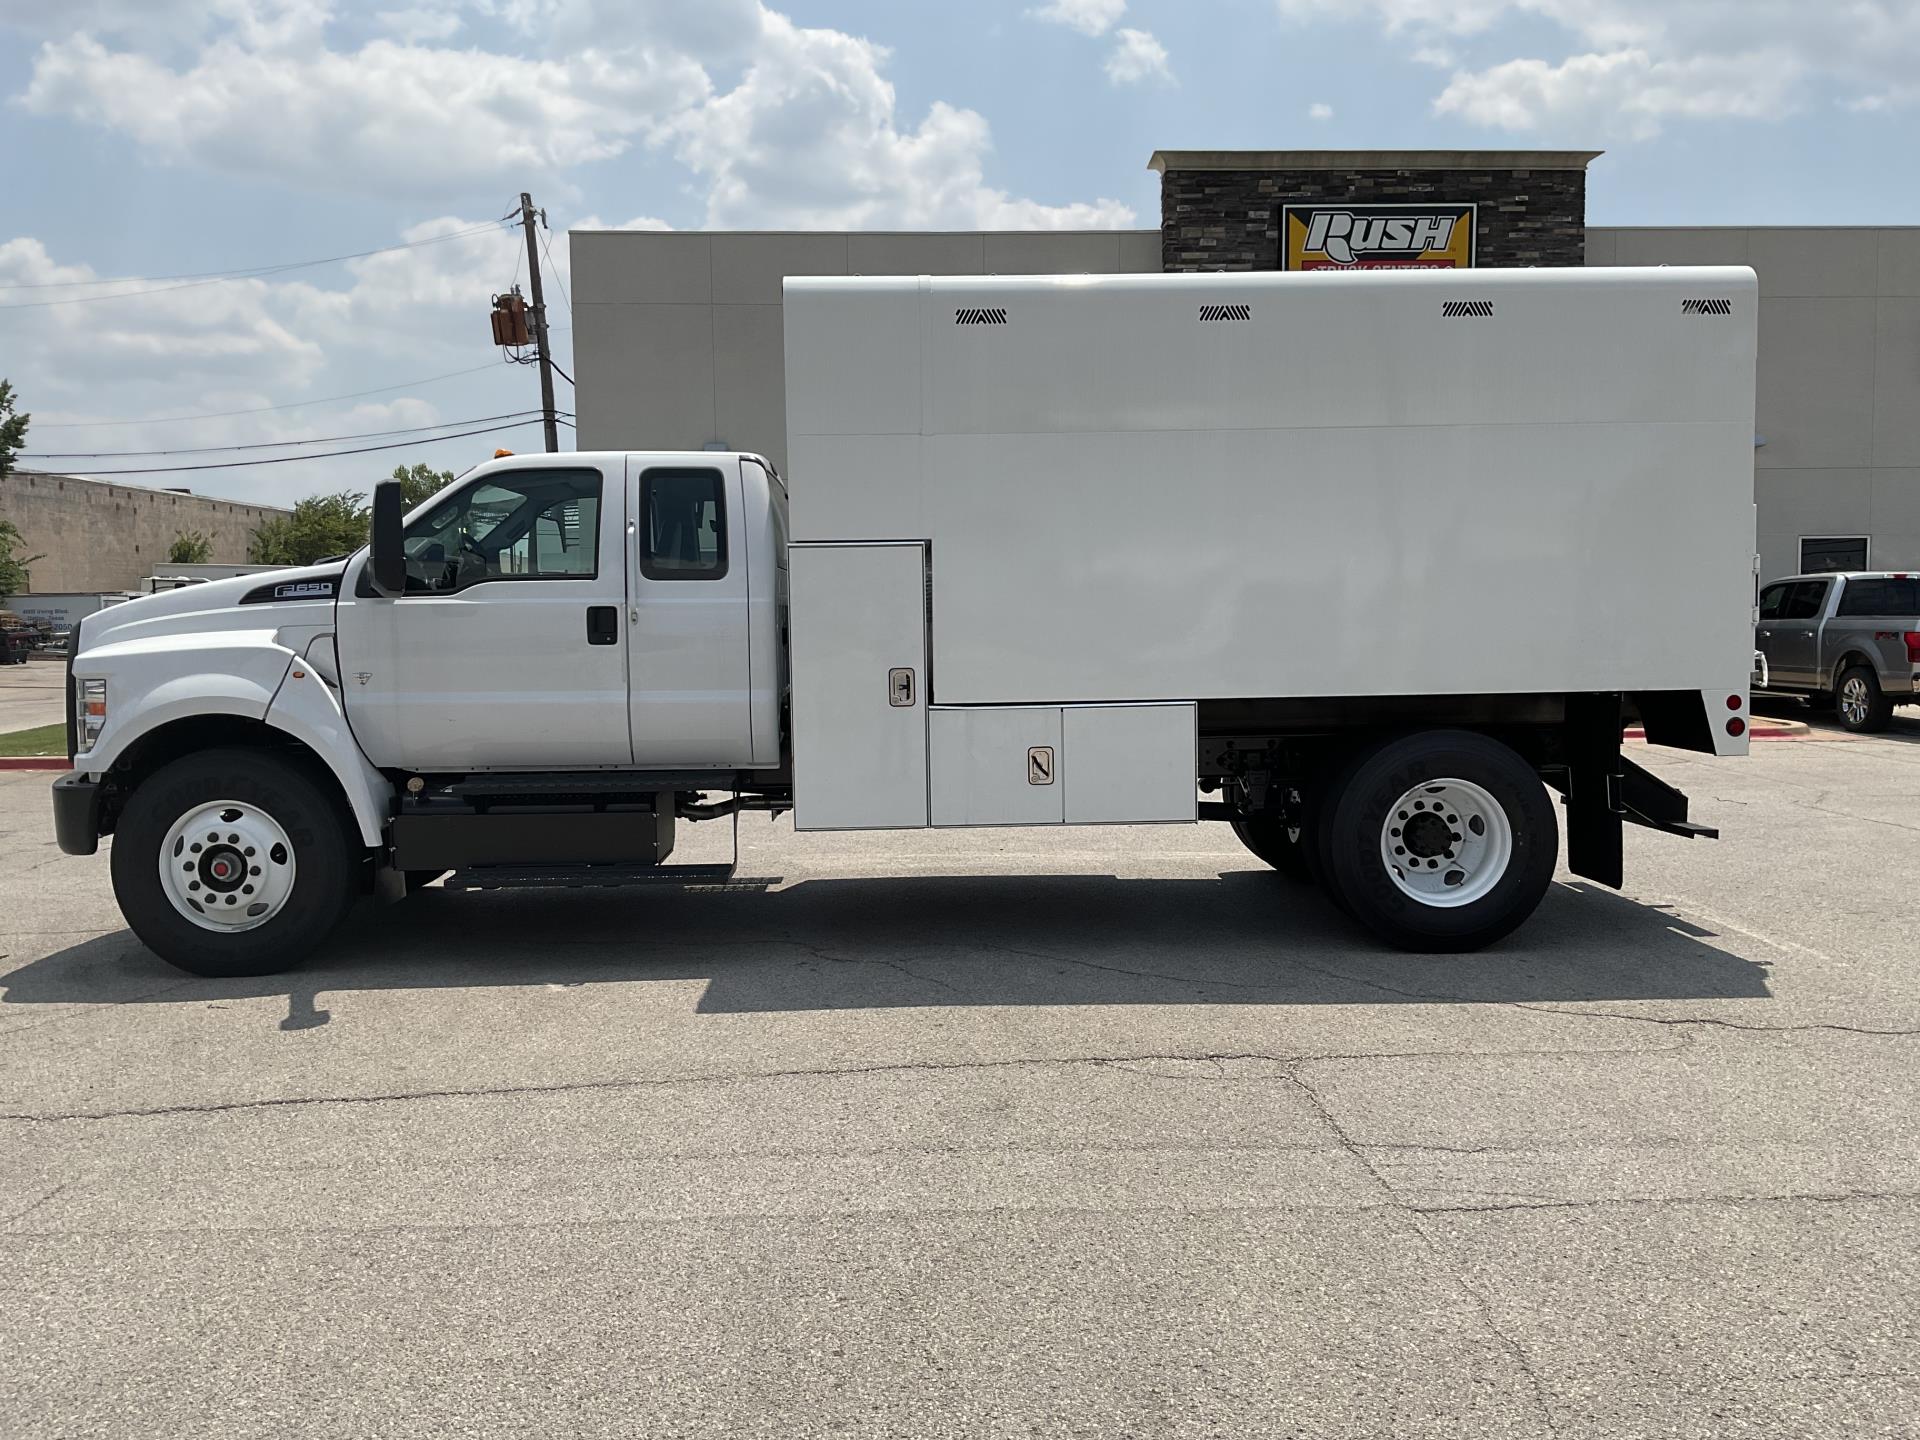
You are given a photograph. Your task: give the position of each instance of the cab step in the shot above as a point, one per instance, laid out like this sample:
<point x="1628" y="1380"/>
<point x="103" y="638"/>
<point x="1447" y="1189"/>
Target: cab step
<point x="584" y="877"/>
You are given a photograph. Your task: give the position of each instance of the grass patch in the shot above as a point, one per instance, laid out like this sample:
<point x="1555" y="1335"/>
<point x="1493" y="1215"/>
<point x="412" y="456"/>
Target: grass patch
<point x="42" y="740"/>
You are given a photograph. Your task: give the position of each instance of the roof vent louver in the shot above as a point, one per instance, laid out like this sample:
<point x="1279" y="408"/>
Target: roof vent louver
<point x="1461" y="309"/>
<point x="977" y="315"/>
<point x="1226" y="312"/>
<point x="1706" y="307"/>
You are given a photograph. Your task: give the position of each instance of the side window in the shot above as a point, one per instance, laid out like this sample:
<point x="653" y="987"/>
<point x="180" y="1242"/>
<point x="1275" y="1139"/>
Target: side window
<point x="529" y="525"/>
<point x="683" y="525"/>
<point x="1881" y="597"/>
<point x="1805" y="601"/>
<point x="1772" y="600"/>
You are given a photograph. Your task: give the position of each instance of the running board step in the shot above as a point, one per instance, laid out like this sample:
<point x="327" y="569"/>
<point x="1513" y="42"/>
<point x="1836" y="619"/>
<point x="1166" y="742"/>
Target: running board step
<point x="592" y="877"/>
<point x="1645" y="800"/>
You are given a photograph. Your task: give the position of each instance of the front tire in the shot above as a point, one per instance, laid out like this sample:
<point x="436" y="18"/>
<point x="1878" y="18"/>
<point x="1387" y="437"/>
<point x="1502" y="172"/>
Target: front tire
<point x="1859" y="702"/>
<point x="233" y="862"/>
<point x="1442" y="842"/>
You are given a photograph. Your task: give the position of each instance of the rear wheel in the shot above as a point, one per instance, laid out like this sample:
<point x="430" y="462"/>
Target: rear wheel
<point x="1859" y="701"/>
<point x="1441" y="842"/>
<point x="233" y="862"/>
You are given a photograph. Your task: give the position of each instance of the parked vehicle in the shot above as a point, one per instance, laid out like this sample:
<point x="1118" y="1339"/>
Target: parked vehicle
<point x="19" y="638"/>
<point x="1343" y="554"/>
<point x="1849" y="640"/>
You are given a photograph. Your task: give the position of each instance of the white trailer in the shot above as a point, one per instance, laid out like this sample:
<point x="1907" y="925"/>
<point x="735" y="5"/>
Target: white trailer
<point x="1362" y="559"/>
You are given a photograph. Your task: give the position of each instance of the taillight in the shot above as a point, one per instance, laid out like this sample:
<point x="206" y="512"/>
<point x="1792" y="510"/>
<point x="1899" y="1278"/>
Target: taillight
<point x="1913" y="647"/>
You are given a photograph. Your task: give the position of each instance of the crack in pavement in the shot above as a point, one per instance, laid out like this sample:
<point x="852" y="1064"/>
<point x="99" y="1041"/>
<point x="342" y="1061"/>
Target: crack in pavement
<point x="1482" y="1302"/>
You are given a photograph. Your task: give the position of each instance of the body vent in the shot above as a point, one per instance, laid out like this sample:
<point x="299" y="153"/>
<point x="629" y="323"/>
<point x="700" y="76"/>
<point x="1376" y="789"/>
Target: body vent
<point x="1706" y="307"/>
<point x="1226" y="312"/>
<point x="1454" y="309"/>
<point x="980" y="316"/>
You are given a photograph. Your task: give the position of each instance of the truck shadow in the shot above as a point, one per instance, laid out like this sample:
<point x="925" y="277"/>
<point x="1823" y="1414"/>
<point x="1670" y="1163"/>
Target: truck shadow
<point x="1243" y="938"/>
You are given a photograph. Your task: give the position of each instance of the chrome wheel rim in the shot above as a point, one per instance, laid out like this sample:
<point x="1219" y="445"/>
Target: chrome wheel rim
<point x="227" y="866"/>
<point x="1853" y="701"/>
<point x="1446" y="842"/>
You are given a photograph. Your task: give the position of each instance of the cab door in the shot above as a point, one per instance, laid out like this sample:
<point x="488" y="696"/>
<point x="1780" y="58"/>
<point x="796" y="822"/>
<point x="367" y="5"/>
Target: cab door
<point x="687" y="623"/>
<point x="506" y="651"/>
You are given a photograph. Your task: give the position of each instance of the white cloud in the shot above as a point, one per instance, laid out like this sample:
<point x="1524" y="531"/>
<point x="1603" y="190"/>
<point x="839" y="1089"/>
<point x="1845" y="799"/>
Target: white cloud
<point x="1319" y="110"/>
<point x="809" y="135"/>
<point x="1138" y="58"/>
<point x="1634" y="64"/>
<point x="811" y="139"/>
<point x="389" y="115"/>
<point x="1627" y="89"/>
<point x="416" y="25"/>
<point x="1089" y="17"/>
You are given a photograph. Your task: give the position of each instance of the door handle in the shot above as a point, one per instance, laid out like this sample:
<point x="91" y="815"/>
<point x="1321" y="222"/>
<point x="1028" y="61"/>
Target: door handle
<point x="603" y="624"/>
<point x="900" y="688"/>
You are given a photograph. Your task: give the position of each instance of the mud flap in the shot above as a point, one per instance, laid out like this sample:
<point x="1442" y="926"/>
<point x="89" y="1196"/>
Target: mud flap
<point x="1594" y="775"/>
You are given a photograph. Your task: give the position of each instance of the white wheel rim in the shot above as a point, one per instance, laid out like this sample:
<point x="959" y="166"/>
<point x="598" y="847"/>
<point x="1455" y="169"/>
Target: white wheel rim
<point x="227" y="866"/>
<point x="1446" y="843"/>
<point x="1853" y="700"/>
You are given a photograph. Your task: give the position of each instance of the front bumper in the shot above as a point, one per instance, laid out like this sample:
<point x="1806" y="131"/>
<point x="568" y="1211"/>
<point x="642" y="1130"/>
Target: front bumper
<point x="76" y="813"/>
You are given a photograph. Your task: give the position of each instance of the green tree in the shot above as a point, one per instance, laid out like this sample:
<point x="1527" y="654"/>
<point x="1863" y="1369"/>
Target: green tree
<point x="320" y="527"/>
<point x="13" y="429"/>
<point x="419" y="482"/>
<point x="13" y="568"/>
<point x="190" y="547"/>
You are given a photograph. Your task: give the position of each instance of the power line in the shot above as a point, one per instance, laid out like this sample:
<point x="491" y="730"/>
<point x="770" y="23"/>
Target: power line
<point x="564" y="376"/>
<point x="322" y="455"/>
<point x="260" y="409"/>
<point x="227" y="277"/>
<point x="271" y="444"/>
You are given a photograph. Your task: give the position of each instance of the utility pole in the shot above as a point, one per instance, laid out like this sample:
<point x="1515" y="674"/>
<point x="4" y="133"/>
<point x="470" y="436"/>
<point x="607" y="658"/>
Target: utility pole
<point x="539" y="321"/>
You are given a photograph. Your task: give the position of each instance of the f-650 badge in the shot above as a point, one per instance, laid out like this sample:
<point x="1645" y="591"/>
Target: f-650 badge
<point x="304" y="590"/>
<point x="1376" y="237"/>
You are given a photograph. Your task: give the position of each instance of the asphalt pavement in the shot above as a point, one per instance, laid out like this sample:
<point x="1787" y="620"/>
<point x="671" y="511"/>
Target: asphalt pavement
<point x="1007" y="1133"/>
<point x="32" y="695"/>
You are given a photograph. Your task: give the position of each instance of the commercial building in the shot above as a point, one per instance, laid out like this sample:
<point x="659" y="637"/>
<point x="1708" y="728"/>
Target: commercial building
<point x="97" y="538"/>
<point x="677" y="335"/>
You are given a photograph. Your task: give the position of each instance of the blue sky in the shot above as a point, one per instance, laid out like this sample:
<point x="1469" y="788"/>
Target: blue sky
<point x="159" y="137"/>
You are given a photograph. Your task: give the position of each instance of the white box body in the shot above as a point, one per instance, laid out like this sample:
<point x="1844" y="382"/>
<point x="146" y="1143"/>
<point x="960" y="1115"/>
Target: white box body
<point x="1490" y="482"/>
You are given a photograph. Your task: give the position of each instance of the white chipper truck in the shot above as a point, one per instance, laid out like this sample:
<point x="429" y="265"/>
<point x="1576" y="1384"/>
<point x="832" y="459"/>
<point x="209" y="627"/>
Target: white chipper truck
<point x="1372" y="563"/>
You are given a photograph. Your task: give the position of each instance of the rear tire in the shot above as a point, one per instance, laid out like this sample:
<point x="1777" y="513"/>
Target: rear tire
<point x="1452" y="878"/>
<point x="206" y="840"/>
<point x="1859" y="702"/>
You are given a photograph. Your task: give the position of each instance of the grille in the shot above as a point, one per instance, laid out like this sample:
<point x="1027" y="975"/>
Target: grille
<point x="1460" y="309"/>
<point x="1226" y="312"/>
<point x="1706" y="307"/>
<point x="974" y="315"/>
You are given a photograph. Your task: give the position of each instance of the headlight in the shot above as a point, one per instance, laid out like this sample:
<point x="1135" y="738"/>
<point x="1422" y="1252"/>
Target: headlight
<point x="90" y="702"/>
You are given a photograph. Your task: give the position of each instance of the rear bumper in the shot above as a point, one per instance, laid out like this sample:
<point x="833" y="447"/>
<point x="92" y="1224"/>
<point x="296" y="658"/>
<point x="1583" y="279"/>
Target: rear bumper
<point x="76" y="813"/>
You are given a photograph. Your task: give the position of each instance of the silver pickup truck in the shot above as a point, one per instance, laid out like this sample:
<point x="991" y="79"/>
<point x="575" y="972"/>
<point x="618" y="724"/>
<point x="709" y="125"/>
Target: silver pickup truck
<point x="1851" y="641"/>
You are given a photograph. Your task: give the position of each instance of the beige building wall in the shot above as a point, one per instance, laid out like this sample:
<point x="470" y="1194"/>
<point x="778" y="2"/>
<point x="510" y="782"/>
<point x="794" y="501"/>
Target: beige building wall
<point x="101" y="537"/>
<point x="678" y="344"/>
<point x="1839" y="382"/>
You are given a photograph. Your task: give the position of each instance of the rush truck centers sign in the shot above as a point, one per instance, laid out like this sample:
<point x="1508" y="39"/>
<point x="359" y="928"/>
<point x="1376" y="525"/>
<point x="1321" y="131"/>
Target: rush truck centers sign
<point x="1376" y="237"/>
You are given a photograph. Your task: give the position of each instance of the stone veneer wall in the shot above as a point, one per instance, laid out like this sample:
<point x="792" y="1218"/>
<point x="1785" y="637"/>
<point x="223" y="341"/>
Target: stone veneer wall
<point x="1230" y="219"/>
<point x="101" y="537"/>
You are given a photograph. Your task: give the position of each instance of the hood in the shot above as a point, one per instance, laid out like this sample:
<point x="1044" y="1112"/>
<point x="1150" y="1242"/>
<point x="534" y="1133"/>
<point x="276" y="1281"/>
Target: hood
<point x="267" y="601"/>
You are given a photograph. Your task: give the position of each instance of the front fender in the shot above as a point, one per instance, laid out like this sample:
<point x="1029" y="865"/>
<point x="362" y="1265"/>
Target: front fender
<point x="148" y="686"/>
<point x="308" y="708"/>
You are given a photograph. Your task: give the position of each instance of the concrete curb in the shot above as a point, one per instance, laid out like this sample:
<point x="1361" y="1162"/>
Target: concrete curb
<point x="35" y="762"/>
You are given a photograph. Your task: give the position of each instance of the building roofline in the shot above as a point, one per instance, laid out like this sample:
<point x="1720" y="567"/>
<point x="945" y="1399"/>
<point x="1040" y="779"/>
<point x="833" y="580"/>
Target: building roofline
<point x="1165" y="160"/>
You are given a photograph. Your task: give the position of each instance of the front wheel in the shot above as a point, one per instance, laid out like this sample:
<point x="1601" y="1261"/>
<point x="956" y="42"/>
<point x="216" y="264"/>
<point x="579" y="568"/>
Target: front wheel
<point x="1442" y="842"/>
<point x="233" y="862"/>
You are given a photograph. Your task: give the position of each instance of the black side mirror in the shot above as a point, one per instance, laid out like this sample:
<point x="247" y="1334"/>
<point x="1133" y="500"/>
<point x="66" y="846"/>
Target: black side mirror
<point x="387" y="557"/>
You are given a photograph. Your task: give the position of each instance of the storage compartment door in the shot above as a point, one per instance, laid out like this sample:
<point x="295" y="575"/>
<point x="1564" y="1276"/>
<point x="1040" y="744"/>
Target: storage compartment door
<point x="997" y="765"/>
<point x="859" y="650"/>
<point x="1129" y="764"/>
